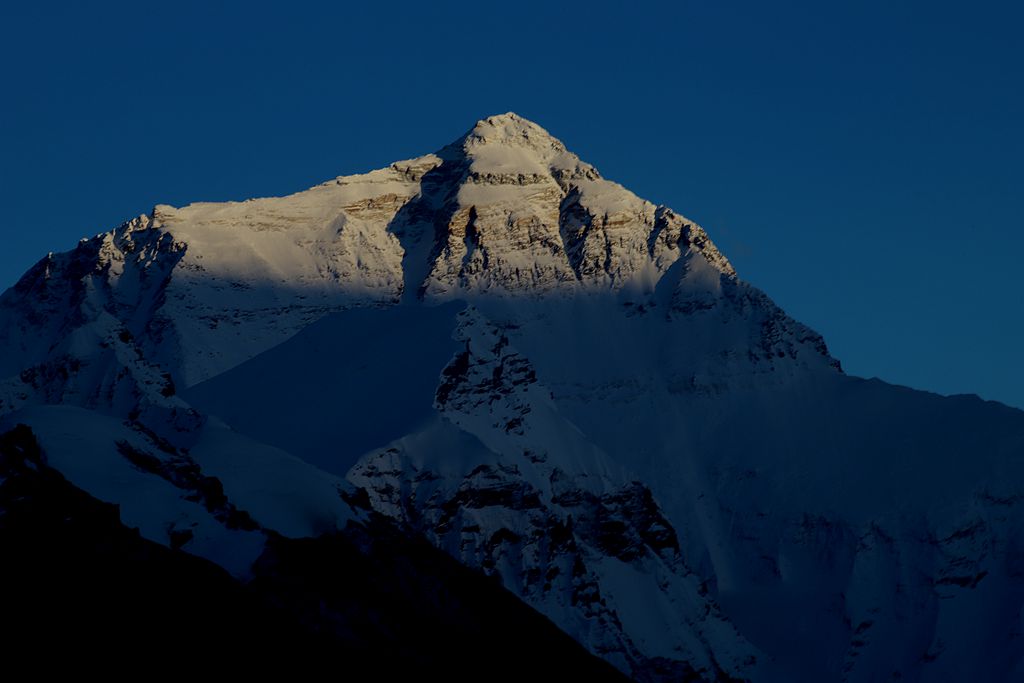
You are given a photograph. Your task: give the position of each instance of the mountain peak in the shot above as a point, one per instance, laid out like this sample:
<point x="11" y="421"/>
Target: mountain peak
<point x="637" y="443"/>
<point x="508" y="143"/>
<point x="510" y="128"/>
<point x="504" y="212"/>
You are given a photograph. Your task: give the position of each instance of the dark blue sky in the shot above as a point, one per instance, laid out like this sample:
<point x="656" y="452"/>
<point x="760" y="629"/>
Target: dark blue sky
<point x="860" y="161"/>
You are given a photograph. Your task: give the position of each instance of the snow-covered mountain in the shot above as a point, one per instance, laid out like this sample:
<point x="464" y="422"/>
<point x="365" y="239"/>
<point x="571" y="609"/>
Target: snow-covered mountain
<point x="550" y="379"/>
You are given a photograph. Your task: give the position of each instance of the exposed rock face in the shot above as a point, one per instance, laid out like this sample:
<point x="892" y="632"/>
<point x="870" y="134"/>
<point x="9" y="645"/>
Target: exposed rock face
<point x="571" y="536"/>
<point x="639" y="444"/>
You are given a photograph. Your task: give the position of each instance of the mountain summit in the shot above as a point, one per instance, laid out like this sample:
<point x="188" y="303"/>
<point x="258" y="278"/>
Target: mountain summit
<point x="512" y="130"/>
<point x="503" y="211"/>
<point x="554" y="382"/>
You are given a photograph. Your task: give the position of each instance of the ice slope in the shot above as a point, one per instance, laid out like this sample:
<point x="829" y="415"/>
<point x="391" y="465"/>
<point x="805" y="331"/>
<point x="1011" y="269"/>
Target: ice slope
<point x="635" y="441"/>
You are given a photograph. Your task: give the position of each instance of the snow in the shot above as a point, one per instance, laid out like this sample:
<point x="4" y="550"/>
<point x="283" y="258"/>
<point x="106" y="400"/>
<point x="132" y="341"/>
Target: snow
<point x="81" y="445"/>
<point x="256" y="272"/>
<point x="842" y="524"/>
<point x="650" y="619"/>
<point x="281" y="492"/>
<point x="365" y="377"/>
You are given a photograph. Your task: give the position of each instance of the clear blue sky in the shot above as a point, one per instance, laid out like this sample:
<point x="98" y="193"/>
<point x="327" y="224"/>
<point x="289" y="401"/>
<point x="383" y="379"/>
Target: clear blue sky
<point x="863" y="162"/>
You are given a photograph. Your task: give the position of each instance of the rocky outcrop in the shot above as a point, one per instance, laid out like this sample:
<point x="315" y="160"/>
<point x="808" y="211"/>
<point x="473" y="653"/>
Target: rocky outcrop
<point x="575" y="539"/>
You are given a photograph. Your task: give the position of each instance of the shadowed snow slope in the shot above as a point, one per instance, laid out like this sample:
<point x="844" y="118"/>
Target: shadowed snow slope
<point x="557" y="383"/>
<point x="349" y="382"/>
